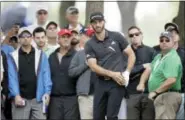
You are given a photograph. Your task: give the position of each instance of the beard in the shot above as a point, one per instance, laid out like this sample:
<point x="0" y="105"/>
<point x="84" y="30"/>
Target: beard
<point x="99" y="29"/>
<point x="74" y="42"/>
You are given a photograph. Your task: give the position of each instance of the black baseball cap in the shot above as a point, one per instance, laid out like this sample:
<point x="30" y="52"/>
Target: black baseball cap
<point x="171" y="26"/>
<point x="13" y="39"/>
<point x="96" y="16"/>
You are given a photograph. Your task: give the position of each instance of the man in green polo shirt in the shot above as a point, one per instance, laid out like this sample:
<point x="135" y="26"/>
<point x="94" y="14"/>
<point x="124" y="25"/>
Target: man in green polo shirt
<point x="164" y="67"/>
<point x="164" y="79"/>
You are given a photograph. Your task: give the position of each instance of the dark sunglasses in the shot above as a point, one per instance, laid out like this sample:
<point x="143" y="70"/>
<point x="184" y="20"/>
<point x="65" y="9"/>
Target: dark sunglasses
<point x="135" y="34"/>
<point x="42" y="12"/>
<point x="166" y="40"/>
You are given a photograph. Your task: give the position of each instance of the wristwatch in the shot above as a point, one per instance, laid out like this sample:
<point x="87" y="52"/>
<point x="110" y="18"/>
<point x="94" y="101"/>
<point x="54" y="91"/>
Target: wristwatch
<point x="156" y="94"/>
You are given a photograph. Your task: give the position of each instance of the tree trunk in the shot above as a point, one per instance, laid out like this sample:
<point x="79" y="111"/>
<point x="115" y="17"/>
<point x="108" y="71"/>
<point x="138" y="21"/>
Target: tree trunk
<point x="127" y="10"/>
<point x="180" y="22"/>
<point x="91" y="7"/>
<point x="63" y="8"/>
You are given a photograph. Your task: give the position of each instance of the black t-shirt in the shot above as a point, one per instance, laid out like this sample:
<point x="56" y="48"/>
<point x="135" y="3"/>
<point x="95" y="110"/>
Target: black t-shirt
<point x="144" y="54"/>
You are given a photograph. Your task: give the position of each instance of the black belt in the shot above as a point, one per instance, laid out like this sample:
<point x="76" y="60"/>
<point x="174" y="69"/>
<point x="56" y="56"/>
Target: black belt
<point x="108" y="78"/>
<point x="174" y="91"/>
<point x="104" y="78"/>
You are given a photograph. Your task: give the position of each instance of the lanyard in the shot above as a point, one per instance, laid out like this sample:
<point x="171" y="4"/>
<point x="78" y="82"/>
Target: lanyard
<point x="159" y="61"/>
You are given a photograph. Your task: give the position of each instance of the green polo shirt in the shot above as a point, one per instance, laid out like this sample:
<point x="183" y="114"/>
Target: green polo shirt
<point x="168" y="66"/>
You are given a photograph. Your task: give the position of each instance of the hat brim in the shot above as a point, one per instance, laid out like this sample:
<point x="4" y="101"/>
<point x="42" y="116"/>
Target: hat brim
<point x="25" y="31"/>
<point x="73" y="12"/>
<point x="64" y="34"/>
<point x="74" y="31"/>
<point x="98" y="18"/>
<point x="165" y="37"/>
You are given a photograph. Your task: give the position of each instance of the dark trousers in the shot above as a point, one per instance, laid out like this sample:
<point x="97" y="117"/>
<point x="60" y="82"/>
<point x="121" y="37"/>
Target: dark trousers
<point x="107" y="100"/>
<point x="2" y="115"/>
<point x="64" y="107"/>
<point x="140" y="107"/>
<point x="8" y="108"/>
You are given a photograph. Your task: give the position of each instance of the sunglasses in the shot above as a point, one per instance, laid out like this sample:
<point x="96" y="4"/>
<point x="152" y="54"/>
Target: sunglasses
<point x="25" y="36"/>
<point x="166" y="40"/>
<point x="134" y="34"/>
<point x="42" y="12"/>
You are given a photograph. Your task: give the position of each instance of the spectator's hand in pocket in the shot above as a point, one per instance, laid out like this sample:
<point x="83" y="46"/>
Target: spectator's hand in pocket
<point x="19" y="101"/>
<point x="47" y="98"/>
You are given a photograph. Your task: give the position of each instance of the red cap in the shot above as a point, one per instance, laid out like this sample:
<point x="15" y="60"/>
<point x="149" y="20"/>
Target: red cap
<point x="64" y="32"/>
<point x="89" y="32"/>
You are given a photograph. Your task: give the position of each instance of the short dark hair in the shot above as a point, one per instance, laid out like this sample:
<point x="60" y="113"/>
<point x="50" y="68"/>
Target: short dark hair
<point x="17" y="24"/>
<point x="38" y="30"/>
<point x="134" y="27"/>
<point x="51" y="23"/>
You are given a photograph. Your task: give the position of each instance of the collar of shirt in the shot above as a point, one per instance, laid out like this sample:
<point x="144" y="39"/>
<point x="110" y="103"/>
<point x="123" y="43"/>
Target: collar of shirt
<point x="21" y="51"/>
<point x="78" y="27"/>
<point x="69" y="53"/>
<point x="106" y="36"/>
<point x="141" y="46"/>
<point x="46" y="48"/>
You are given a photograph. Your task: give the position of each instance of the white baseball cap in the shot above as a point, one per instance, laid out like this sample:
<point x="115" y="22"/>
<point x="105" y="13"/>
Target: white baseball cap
<point x="42" y="7"/>
<point x="24" y="29"/>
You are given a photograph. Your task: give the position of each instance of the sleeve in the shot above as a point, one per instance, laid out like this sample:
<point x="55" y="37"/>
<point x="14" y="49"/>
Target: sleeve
<point x="76" y="68"/>
<point x="2" y="68"/>
<point x="171" y="70"/>
<point x="5" y="74"/>
<point x="89" y="52"/>
<point x="47" y="75"/>
<point x="123" y="43"/>
<point x="137" y="69"/>
<point x="13" y="84"/>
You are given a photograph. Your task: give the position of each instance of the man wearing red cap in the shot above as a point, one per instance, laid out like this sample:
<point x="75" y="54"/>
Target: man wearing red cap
<point x="63" y="103"/>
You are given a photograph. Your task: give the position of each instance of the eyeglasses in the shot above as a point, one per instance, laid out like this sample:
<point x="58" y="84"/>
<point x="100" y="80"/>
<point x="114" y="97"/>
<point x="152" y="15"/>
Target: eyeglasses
<point x="166" y="40"/>
<point x="134" y="34"/>
<point x="42" y="12"/>
<point x="25" y="36"/>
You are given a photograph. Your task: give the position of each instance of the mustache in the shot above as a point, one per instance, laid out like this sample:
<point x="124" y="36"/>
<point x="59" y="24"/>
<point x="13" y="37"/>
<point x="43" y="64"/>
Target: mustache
<point x="98" y="27"/>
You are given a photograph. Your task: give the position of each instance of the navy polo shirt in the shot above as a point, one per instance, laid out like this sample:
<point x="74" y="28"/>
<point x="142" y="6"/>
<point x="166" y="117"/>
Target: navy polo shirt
<point x="109" y="52"/>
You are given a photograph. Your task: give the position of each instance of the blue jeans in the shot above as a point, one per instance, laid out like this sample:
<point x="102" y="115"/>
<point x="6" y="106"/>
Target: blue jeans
<point x="180" y="113"/>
